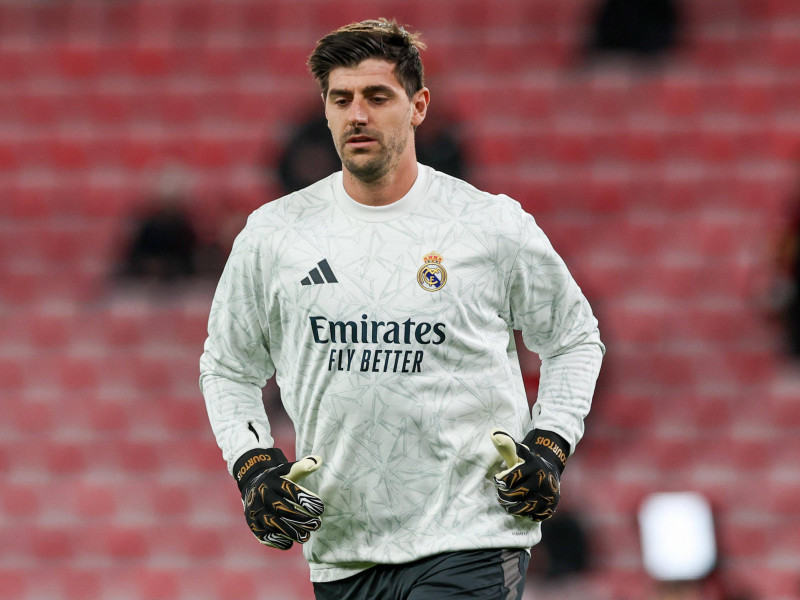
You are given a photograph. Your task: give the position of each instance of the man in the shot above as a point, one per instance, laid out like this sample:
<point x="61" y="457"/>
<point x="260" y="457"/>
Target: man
<point x="384" y="300"/>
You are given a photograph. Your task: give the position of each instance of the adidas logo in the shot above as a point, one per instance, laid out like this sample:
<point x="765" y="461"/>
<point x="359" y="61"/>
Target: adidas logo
<point x="314" y="275"/>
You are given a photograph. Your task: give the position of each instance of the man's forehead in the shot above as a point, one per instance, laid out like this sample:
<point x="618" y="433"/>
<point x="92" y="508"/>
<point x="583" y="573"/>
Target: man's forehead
<point x="369" y="72"/>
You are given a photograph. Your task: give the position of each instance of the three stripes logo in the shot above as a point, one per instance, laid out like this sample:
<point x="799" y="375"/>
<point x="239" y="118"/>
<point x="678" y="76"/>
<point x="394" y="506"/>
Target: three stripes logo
<point x="315" y="276"/>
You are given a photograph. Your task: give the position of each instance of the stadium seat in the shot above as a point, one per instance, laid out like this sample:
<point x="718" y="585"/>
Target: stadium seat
<point x="660" y="184"/>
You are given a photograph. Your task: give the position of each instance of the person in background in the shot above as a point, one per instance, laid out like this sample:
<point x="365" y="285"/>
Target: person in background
<point x="786" y="288"/>
<point x="641" y="28"/>
<point x="164" y="242"/>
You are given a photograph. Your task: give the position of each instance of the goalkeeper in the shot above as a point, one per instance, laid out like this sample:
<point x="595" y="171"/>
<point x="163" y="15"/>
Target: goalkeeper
<point x="383" y="299"/>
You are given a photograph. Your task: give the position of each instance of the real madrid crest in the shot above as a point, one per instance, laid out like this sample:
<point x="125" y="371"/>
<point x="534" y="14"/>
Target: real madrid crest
<point x="432" y="276"/>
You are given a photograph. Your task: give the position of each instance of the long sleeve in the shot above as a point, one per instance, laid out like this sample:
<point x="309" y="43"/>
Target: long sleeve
<point x="557" y="323"/>
<point x="236" y="362"/>
<point x="394" y="381"/>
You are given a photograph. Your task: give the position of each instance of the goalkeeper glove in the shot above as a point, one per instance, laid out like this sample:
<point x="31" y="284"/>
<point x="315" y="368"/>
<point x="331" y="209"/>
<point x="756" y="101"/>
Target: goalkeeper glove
<point x="278" y="511"/>
<point x="531" y="484"/>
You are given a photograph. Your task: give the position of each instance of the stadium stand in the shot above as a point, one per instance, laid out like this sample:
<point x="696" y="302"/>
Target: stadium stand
<point x="662" y="185"/>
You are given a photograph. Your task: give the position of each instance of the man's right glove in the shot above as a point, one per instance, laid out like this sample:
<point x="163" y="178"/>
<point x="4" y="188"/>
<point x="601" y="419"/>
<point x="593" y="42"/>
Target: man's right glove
<point x="531" y="484"/>
<point x="278" y="511"/>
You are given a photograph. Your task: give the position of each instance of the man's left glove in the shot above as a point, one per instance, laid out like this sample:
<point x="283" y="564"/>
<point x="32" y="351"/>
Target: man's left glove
<point x="278" y="511"/>
<point x="531" y="485"/>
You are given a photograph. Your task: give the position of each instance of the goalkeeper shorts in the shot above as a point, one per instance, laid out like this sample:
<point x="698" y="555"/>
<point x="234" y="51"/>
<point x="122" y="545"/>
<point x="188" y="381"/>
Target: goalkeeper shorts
<point x="474" y="574"/>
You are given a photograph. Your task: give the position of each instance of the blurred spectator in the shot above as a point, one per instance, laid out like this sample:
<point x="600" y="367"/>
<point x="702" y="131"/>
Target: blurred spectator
<point x="786" y="289"/>
<point x="561" y="563"/>
<point x="644" y="28"/>
<point x="164" y="246"/>
<point x="564" y="550"/>
<point x="438" y="147"/>
<point x="309" y="154"/>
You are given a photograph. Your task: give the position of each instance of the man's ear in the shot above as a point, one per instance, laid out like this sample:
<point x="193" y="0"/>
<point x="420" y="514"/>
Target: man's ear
<point x="419" y="104"/>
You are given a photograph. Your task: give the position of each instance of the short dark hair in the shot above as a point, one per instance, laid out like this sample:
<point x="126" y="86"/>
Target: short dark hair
<point x="348" y="46"/>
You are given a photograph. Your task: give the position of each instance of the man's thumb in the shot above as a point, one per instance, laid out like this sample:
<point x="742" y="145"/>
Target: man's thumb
<point x="507" y="447"/>
<point x="303" y="468"/>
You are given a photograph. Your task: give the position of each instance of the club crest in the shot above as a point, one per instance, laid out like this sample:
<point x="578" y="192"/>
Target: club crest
<point x="432" y="276"/>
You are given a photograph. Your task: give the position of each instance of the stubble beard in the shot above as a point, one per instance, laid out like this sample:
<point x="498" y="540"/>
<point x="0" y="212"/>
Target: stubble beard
<point x="377" y="166"/>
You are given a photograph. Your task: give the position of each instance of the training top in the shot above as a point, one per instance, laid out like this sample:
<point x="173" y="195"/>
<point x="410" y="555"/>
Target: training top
<point x="389" y="331"/>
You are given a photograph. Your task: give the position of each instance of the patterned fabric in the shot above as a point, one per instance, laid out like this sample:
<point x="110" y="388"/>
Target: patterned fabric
<point x="389" y="330"/>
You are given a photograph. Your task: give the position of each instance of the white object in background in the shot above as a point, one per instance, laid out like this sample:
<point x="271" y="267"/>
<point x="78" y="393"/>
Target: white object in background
<point x="677" y="535"/>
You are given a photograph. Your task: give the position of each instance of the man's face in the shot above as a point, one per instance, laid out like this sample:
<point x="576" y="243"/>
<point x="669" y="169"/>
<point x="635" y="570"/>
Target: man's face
<point x="371" y="118"/>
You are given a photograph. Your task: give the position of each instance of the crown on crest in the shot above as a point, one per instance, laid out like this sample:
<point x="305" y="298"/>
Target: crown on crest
<point x="432" y="258"/>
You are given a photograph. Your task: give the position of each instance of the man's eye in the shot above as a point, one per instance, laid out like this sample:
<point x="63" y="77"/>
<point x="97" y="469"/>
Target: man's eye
<point x="379" y="99"/>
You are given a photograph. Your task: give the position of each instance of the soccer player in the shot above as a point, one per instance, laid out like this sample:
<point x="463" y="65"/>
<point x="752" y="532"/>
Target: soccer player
<point x="384" y="299"/>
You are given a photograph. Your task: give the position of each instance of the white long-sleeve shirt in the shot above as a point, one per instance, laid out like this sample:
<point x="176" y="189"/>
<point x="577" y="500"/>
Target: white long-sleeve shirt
<point x="389" y="330"/>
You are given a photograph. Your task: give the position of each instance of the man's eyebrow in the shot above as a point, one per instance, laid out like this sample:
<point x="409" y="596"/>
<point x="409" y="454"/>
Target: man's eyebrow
<point x="367" y="91"/>
<point x="378" y="89"/>
<point x="336" y="92"/>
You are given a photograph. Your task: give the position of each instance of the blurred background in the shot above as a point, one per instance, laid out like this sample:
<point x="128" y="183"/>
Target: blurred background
<point x="656" y="142"/>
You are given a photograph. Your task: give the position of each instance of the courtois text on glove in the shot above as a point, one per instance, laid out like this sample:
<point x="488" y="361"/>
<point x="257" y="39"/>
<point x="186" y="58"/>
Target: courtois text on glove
<point x="530" y="486"/>
<point x="278" y="511"/>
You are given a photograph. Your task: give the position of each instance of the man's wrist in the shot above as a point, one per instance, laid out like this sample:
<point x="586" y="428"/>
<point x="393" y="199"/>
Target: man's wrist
<point x="550" y="446"/>
<point x="255" y="461"/>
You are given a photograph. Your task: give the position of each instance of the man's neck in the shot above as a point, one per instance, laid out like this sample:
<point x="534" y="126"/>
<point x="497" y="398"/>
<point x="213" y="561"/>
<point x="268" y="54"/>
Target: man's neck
<point x="386" y="190"/>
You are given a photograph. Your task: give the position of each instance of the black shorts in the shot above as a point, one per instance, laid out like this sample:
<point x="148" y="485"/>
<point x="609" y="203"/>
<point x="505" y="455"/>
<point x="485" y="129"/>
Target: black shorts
<point x="471" y="575"/>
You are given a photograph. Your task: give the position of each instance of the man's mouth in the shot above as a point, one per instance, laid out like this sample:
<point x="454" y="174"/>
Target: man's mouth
<point x="360" y="140"/>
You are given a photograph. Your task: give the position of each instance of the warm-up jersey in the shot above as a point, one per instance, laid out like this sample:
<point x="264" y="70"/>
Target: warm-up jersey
<point x="390" y="332"/>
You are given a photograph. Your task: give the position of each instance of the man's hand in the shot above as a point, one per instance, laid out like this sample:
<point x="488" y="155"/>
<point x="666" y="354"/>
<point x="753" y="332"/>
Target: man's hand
<point x="531" y="484"/>
<point x="278" y="511"/>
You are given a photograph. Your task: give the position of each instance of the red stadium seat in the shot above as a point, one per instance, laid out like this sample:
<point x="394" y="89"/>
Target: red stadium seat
<point x="659" y="184"/>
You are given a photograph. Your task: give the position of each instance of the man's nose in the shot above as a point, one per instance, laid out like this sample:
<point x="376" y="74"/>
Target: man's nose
<point x="358" y="113"/>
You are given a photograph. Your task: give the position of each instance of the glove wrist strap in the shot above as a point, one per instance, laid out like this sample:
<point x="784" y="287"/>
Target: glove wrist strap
<point x="550" y="446"/>
<point x="255" y="461"/>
